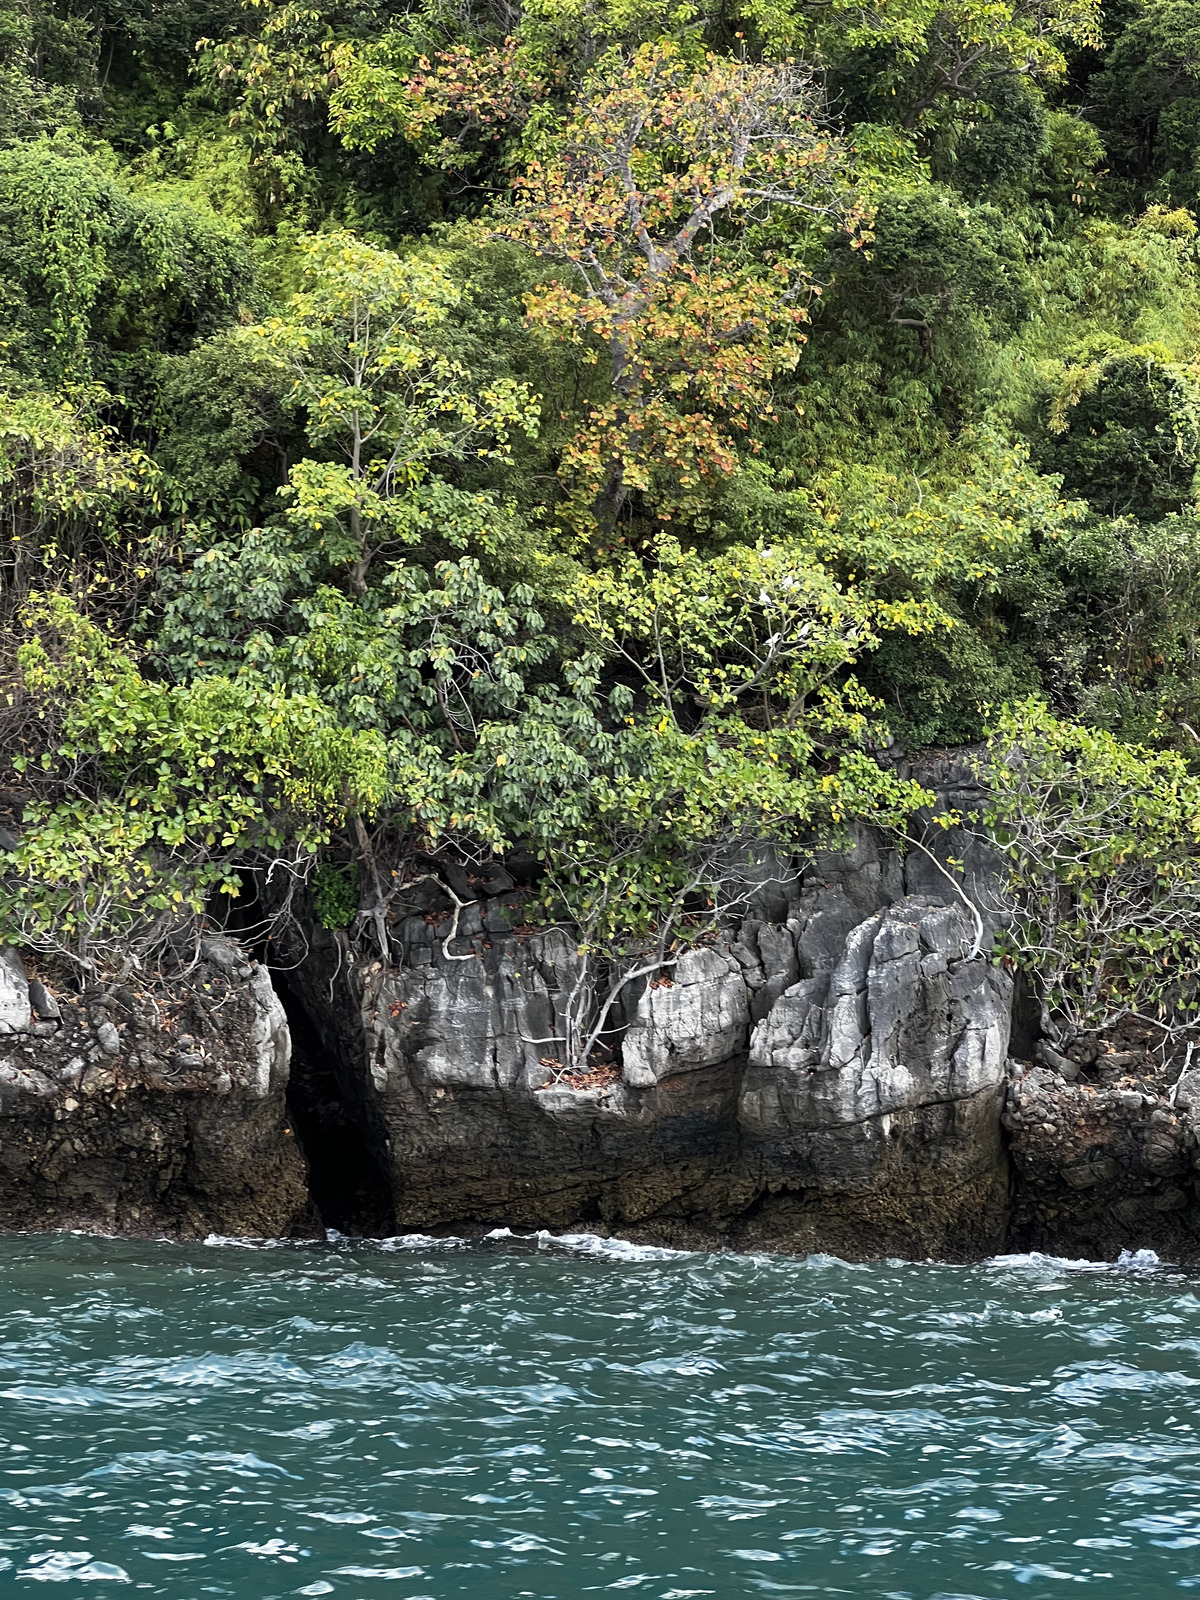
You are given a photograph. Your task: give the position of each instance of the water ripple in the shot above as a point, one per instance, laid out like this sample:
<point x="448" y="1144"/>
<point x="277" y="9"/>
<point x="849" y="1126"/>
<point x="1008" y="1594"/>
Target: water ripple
<point x="528" y="1416"/>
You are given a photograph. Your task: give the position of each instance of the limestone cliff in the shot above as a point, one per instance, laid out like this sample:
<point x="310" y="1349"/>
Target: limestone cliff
<point x="829" y="1075"/>
<point x="847" y="1068"/>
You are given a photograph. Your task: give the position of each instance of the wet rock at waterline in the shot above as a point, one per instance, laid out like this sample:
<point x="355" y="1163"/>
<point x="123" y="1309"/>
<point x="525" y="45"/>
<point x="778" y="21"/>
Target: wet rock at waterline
<point x="1101" y="1161"/>
<point x="148" y="1108"/>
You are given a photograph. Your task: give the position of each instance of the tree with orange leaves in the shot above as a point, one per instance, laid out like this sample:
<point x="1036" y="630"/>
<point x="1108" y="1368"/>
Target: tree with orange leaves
<point x="653" y="195"/>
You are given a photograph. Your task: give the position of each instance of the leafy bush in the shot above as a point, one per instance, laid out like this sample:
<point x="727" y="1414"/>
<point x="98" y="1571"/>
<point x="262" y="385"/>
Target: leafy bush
<point x="335" y="894"/>
<point x="1102" y="841"/>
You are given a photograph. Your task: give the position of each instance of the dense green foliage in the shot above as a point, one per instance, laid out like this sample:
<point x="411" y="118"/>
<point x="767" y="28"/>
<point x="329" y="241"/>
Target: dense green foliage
<point x="1102" y="841"/>
<point x="587" y="433"/>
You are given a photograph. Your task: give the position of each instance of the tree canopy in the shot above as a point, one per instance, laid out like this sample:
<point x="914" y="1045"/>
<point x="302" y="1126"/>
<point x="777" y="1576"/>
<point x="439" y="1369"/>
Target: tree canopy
<point x="605" y="438"/>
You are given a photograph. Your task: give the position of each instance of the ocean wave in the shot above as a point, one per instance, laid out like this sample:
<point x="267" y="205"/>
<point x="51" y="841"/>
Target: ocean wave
<point x="1127" y="1261"/>
<point x="591" y="1244"/>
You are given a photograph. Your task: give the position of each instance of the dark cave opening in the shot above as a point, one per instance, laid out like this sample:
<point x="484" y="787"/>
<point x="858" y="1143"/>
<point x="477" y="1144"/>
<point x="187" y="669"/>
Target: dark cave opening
<point x="346" y="1178"/>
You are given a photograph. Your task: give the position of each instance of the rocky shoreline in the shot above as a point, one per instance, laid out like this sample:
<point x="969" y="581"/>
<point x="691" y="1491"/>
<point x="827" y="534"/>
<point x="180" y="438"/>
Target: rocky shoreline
<point x="149" y="1109"/>
<point x="849" y="1070"/>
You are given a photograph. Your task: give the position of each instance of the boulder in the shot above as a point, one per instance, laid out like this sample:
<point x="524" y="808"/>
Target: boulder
<point x="903" y="1019"/>
<point x="874" y="1090"/>
<point x="156" y="1109"/>
<point x="697" y="1017"/>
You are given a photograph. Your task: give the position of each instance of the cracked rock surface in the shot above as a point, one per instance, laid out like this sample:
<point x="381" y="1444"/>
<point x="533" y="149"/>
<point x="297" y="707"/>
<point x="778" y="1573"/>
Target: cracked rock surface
<point x="829" y="1075"/>
<point x="1107" y="1158"/>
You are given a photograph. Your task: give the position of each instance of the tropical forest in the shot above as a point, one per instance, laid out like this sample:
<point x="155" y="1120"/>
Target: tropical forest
<point x="589" y="435"/>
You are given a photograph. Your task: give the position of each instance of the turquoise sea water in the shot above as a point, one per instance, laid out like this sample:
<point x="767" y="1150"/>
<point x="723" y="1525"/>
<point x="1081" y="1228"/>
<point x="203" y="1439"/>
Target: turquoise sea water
<point x="420" y="1421"/>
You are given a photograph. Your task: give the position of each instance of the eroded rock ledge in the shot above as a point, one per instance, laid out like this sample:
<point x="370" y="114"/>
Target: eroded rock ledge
<point x="845" y="1071"/>
<point x="829" y="1077"/>
<point x="148" y="1109"/>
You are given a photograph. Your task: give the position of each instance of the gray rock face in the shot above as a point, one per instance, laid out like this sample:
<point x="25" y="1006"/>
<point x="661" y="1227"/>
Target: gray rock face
<point x="830" y="1079"/>
<point x="261" y="1066"/>
<point x="698" y="1017"/>
<point x="827" y="1075"/>
<point x="874" y="1092"/>
<point x="148" y="1109"/>
<point x="473" y="1023"/>
<point x="14" y="993"/>
<point x="902" y="1020"/>
<point x="460" y="1058"/>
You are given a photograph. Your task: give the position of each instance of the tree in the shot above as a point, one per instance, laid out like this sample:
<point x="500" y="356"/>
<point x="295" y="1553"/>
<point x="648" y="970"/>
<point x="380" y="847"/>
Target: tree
<point x="358" y="343"/>
<point x="738" y="716"/>
<point x="813" y="322"/>
<point x="97" y="275"/>
<point x="64" y="478"/>
<point x="1130" y="442"/>
<point x="940" y="266"/>
<point x="1149" y="96"/>
<point x="279" y="76"/>
<point x="656" y="194"/>
<point x="141" y="799"/>
<point x="924" y="61"/>
<point x="708" y="708"/>
<point x="45" y="60"/>
<point x="742" y="733"/>
<point x="1101" y="896"/>
<point x="650" y="196"/>
<point x="969" y="48"/>
<point x="750" y="639"/>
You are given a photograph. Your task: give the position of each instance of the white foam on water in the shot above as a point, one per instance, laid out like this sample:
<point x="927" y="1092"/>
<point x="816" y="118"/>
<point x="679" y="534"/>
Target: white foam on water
<point x="590" y="1244"/>
<point x="417" y="1241"/>
<point x="616" y="1249"/>
<point x="1138" y="1259"/>
<point x="1127" y="1261"/>
<point x="232" y="1241"/>
<point x="61" y="1566"/>
<point x="400" y="1241"/>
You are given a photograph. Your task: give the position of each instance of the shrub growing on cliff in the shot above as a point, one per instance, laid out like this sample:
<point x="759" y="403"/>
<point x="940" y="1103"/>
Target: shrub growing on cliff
<point x="1102" y="843"/>
<point x="142" y="799"/>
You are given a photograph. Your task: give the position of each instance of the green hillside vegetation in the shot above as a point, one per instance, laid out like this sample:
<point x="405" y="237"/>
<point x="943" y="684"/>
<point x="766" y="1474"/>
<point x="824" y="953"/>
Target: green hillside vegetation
<point x="589" y="432"/>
